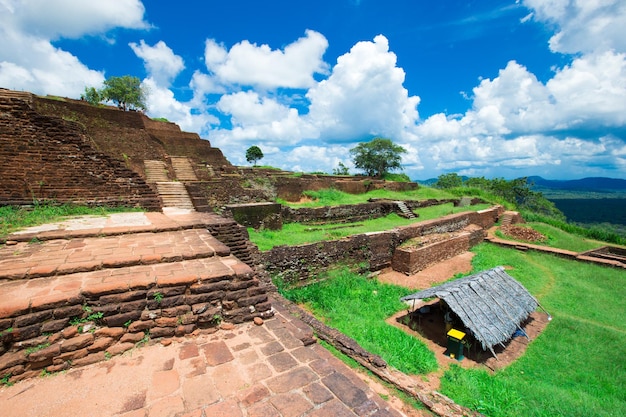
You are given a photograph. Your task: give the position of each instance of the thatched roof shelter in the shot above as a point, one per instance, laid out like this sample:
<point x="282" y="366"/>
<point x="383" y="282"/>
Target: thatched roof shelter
<point x="491" y="304"/>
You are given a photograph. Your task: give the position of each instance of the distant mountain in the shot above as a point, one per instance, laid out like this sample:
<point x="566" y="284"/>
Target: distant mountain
<point x="584" y="184"/>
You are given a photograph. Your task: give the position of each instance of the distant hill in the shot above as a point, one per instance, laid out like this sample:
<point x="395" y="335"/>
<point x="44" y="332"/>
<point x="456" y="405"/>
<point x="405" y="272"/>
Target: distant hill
<point x="597" y="184"/>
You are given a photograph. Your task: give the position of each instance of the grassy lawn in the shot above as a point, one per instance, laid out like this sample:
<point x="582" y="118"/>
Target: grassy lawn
<point x="576" y="367"/>
<point x="358" y="307"/>
<point x="560" y="239"/>
<point x="15" y="218"/>
<point x="333" y="197"/>
<point x="298" y="234"/>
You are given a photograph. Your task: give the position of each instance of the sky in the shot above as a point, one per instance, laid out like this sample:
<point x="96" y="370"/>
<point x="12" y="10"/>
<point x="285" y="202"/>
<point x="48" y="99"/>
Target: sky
<point x="500" y="89"/>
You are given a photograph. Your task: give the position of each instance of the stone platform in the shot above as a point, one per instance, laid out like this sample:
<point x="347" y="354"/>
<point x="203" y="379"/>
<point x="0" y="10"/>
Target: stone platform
<point x="149" y="314"/>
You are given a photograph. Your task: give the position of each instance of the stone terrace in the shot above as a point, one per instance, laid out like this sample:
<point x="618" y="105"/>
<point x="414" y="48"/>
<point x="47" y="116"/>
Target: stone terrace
<point x="86" y="295"/>
<point x="163" y="276"/>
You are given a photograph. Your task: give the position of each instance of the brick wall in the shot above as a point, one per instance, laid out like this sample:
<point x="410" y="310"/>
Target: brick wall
<point x="299" y="264"/>
<point x="62" y="332"/>
<point x="48" y="158"/>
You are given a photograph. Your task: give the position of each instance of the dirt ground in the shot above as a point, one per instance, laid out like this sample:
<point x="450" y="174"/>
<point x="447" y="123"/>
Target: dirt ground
<point x="430" y="327"/>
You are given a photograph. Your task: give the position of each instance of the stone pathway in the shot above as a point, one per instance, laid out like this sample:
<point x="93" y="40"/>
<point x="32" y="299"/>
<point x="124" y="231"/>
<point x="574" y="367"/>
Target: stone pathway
<point x="272" y="369"/>
<point x="244" y="370"/>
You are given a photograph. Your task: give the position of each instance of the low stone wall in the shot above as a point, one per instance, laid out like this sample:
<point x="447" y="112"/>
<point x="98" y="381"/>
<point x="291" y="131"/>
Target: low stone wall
<point x="101" y="322"/>
<point x="411" y="260"/>
<point x="297" y="265"/>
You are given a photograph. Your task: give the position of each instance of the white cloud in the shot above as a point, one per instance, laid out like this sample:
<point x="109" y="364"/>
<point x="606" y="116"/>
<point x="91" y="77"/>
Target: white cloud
<point x="255" y="117"/>
<point x="363" y="96"/>
<point x="162" y="64"/>
<point x="260" y="66"/>
<point x="53" y="19"/>
<point x="583" y="25"/>
<point x="28" y="60"/>
<point x="162" y="103"/>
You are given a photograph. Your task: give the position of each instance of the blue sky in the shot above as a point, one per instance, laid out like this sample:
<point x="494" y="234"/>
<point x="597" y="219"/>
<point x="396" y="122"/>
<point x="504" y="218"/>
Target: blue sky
<point x="480" y="88"/>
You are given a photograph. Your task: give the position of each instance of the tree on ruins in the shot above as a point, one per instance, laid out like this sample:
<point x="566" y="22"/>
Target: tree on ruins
<point x="254" y="154"/>
<point x="377" y="157"/>
<point x="125" y="91"/>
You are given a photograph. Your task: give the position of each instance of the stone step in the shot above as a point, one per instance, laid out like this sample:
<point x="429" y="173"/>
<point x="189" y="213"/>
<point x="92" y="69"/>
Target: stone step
<point x="156" y="171"/>
<point x="174" y="194"/>
<point x="404" y="209"/>
<point x="183" y="168"/>
<point x="26" y="260"/>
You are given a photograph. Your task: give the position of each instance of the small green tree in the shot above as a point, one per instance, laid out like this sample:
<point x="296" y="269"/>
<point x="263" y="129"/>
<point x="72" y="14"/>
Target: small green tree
<point x="254" y="154"/>
<point x="341" y="169"/>
<point x="126" y="91"/>
<point x="91" y="95"/>
<point x="378" y="157"/>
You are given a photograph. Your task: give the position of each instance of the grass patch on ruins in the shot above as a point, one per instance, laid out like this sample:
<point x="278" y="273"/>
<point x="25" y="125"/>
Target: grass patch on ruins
<point x="16" y="218"/>
<point x="358" y="306"/>
<point x="560" y="239"/>
<point x="576" y="366"/>
<point x="298" y="234"/>
<point x="333" y="197"/>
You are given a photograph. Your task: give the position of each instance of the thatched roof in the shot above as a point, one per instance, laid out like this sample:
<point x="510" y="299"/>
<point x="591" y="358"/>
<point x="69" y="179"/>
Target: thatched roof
<point x="491" y="304"/>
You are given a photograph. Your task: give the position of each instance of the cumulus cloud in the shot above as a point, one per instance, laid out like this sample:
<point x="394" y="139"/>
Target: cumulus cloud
<point x="583" y="25"/>
<point x="519" y="124"/>
<point x="29" y="61"/>
<point x="161" y="63"/>
<point x="162" y="103"/>
<point x="260" y="66"/>
<point x="363" y="96"/>
<point x="54" y="19"/>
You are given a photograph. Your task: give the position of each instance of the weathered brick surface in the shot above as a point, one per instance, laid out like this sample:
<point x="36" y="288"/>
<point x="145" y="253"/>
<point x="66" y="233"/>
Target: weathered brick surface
<point x="49" y="158"/>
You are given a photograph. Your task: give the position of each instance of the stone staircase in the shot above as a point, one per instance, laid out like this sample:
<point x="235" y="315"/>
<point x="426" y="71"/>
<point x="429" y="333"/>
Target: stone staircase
<point x="183" y="168"/>
<point x="406" y="212"/>
<point x="81" y="296"/>
<point x="508" y="218"/>
<point x="156" y="171"/>
<point x="174" y="194"/>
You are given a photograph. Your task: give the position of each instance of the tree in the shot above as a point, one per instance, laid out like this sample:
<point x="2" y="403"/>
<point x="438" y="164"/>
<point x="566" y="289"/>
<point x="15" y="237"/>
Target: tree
<point x="91" y="95"/>
<point x="126" y="91"/>
<point x="451" y="180"/>
<point x="378" y="157"/>
<point x="254" y="154"/>
<point x="341" y="169"/>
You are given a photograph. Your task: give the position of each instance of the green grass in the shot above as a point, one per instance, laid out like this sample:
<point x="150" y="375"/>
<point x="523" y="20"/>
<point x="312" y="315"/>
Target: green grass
<point x="358" y="307"/>
<point x="298" y="234"/>
<point x="576" y="367"/>
<point x="558" y="238"/>
<point x="16" y="218"/>
<point x="334" y="197"/>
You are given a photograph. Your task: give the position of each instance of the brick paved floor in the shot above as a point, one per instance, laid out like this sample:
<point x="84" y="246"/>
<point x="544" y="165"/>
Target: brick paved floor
<point x="248" y="370"/>
<point x="242" y="370"/>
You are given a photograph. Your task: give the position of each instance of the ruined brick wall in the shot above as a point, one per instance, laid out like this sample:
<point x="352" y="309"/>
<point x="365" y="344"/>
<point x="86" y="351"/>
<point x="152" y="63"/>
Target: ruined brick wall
<point x="412" y="260"/>
<point x="57" y="334"/>
<point x="299" y="264"/>
<point x="337" y="214"/>
<point x="49" y="158"/>
<point x="291" y="188"/>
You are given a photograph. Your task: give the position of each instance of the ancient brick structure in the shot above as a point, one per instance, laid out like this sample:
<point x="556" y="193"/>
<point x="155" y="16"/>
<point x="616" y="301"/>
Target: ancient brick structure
<point x="298" y="264"/>
<point x="101" y="292"/>
<point x="50" y="159"/>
